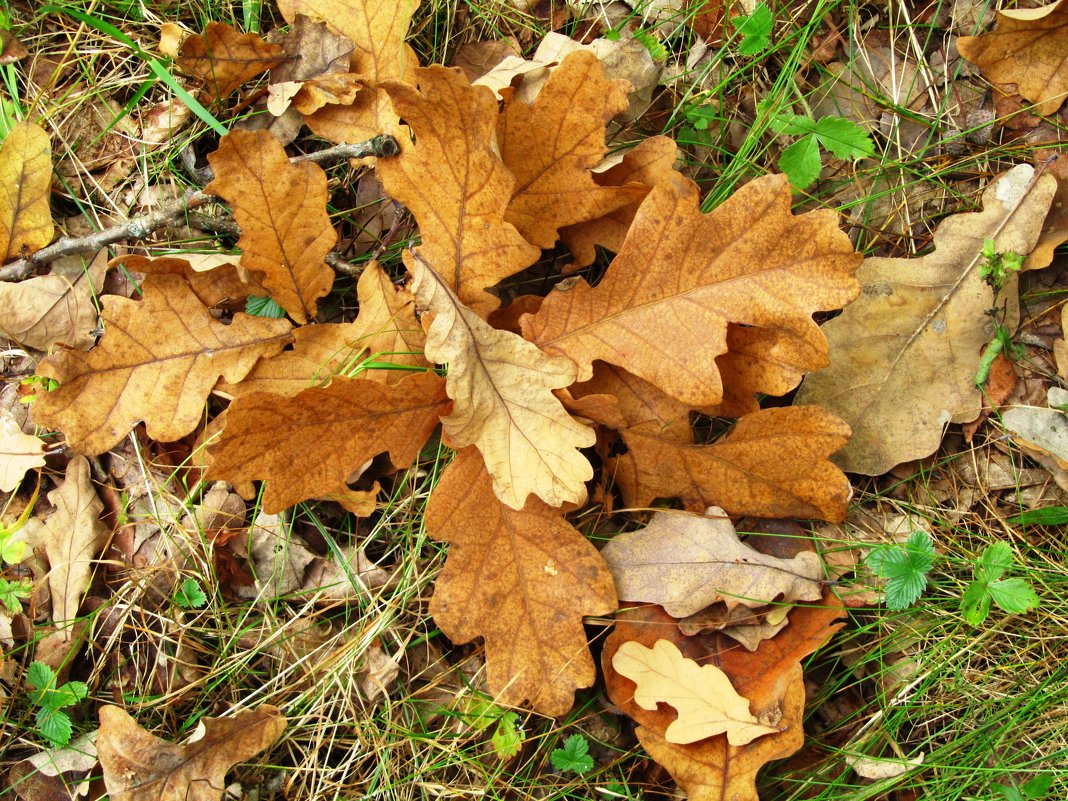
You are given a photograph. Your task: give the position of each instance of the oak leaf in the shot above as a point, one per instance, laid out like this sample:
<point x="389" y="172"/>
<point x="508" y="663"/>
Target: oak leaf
<point x="281" y="208"/>
<point x="1029" y="48"/>
<point x="1060" y="346"/>
<point x="520" y="579"/>
<point x="455" y="184"/>
<point x="663" y="308"/>
<point x="25" y="185"/>
<point x="307" y="445"/>
<point x="138" y="766"/>
<point x="311" y="49"/>
<point x="684" y="563"/>
<point x="904" y="356"/>
<point x="224" y="59"/>
<point x="552" y="145"/>
<point x="157" y="362"/>
<point x="502" y="389"/>
<point x="617" y="399"/>
<point x="223" y="285"/>
<point x="1055" y="228"/>
<point x="702" y="695"/>
<point x="19" y="452"/>
<point x="773" y="463"/>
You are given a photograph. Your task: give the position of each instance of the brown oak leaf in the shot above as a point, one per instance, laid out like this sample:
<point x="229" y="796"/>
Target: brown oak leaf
<point x="138" y="766"/>
<point x="663" y="308"/>
<point x="307" y="445"/>
<point x="19" y="452"/>
<point x="25" y="186"/>
<point x="552" y="145"/>
<point x="281" y="208"/>
<point x="456" y="185"/>
<point x="224" y="59"/>
<point x="1029" y="50"/>
<point x="617" y="399"/>
<point x="225" y="285"/>
<point x="523" y="580"/>
<point x="502" y="389"/>
<point x="157" y="362"/>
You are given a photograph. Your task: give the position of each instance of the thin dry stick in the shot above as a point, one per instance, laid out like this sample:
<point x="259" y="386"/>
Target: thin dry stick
<point x="140" y="227"/>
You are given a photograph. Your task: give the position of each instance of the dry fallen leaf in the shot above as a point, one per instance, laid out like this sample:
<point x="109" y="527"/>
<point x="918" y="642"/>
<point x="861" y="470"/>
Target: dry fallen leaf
<point x="773" y="463"/>
<point x="157" y="362"/>
<point x="620" y="400"/>
<point x="702" y="695"/>
<point x="224" y="59"/>
<point x="904" y="356"/>
<point x="221" y="285"/>
<point x="1055" y="228"/>
<point x="311" y="49"/>
<point x="19" y="452"/>
<point x="281" y="208"/>
<point x="25" y="186"/>
<point x="662" y="310"/>
<point x="501" y="386"/>
<point x="139" y="766"/>
<point x="307" y="445"/>
<point x="454" y="183"/>
<point x="684" y="563"/>
<point x="1028" y="49"/>
<point x="1042" y="434"/>
<point x="1060" y="346"/>
<point x="523" y="580"/>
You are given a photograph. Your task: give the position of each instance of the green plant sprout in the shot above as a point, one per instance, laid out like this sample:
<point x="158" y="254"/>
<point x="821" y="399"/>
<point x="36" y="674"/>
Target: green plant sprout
<point x="997" y="267"/>
<point x="1012" y="595"/>
<point x="801" y="161"/>
<point x="905" y="567"/>
<point x="509" y="735"/>
<point x="12" y="552"/>
<point x="755" y="31"/>
<point x="52" y="722"/>
<point x="263" y="307"/>
<point x="1033" y="790"/>
<point x="190" y="595"/>
<point x="995" y="270"/>
<point x="574" y="757"/>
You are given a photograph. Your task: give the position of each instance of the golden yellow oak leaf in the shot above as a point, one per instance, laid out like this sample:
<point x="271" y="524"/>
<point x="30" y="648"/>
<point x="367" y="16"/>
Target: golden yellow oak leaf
<point x="552" y="145"/>
<point x="521" y="579"/>
<point x="138" y="766"/>
<point x="157" y="362"/>
<point x="702" y="694"/>
<point x="281" y="208"/>
<point x="455" y="185"/>
<point x="25" y="185"/>
<point x="224" y="285"/>
<point x="503" y="402"/>
<point x="223" y="59"/>
<point x="663" y="308"/>
<point x="19" y="452"/>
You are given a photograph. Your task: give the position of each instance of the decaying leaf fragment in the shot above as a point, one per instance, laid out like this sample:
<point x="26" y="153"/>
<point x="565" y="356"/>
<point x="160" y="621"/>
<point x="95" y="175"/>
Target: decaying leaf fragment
<point x="56" y="308"/>
<point x="157" y="362"/>
<point x="25" y="184"/>
<point x="520" y="579"/>
<point x="702" y="694"/>
<point x="684" y="563"/>
<point x="224" y="59"/>
<point x="1029" y="50"/>
<point x="281" y="208"/>
<point x="904" y="356"/>
<point x="139" y="766"/>
<point x="19" y="452"/>
<point x="501" y="386"/>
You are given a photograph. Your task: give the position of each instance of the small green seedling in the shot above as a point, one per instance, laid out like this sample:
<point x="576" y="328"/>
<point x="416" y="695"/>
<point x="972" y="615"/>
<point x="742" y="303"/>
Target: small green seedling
<point x="1001" y="343"/>
<point x="995" y="270"/>
<point x="190" y="595"/>
<point x="263" y="307"/>
<point x="574" y="757"/>
<point x="905" y="567"/>
<point x="1032" y="790"/>
<point x="801" y="161"/>
<point x="508" y="737"/>
<point x="997" y="267"/>
<point x="12" y="552"/>
<point x="755" y="31"/>
<point x="52" y="722"/>
<point x="1013" y="595"/>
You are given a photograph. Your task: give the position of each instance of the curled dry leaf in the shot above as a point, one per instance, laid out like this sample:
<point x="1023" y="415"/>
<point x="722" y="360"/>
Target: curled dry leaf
<point x="1042" y="434"/>
<point x="281" y="208"/>
<point x="455" y="185"/>
<point x="139" y="766"/>
<point x="224" y="59"/>
<point x="307" y="445"/>
<point x="552" y="145"/>
<point x="773" y="463"/>
<point x="684" y="563"/>
<point x="702" y="695"/>
<point x="523" y="580"/>
<point x="19" y="452"/>
<point x="904" y="356"/>
<point x="157" y="362"/>
<point x="662" y="310"/>
<point x="25" y="185"/>
<point x="503" y="402"/>
<point x="1029" y="51"/>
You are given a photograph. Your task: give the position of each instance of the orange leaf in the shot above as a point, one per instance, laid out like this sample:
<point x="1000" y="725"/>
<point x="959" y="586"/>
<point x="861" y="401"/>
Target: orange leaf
<point x="157" y="362"/>
<point x="224" y="285"/>
<point x="281" y="208"/>
<point x="455" y="185"/>
<point x="25" y="186"/>
<point x="663" y="308"/>
<point x="224" y="59"/>
<point x="522" y="580"/>
<point x="551" y="145"/>
<point x="307" y="445"/>
<point x="772" y="464"/>
<point x="620" y="400"/>
<point x="1029" y="49"/>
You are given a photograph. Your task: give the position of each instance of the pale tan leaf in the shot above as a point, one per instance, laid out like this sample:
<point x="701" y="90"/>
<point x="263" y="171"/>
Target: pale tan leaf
<point x="223" y="59"/>
<point x="19" y="452"/>
<point x="25" y="185"/>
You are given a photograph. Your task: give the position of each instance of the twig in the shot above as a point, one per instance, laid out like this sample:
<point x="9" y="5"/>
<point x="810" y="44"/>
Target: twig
<point x="140" y="227"/>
